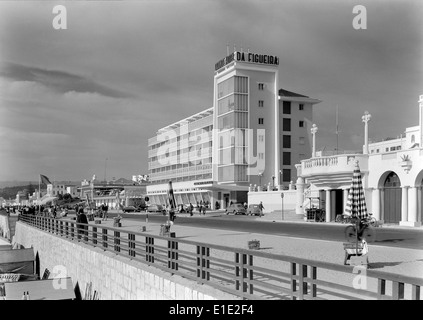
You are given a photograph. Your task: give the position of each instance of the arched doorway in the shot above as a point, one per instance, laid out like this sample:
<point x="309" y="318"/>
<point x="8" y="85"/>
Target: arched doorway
<point x="392" y="199"/>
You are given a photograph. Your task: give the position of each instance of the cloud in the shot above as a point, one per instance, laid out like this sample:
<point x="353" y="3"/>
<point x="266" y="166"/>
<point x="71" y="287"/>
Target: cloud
<point x="58" y="81"/>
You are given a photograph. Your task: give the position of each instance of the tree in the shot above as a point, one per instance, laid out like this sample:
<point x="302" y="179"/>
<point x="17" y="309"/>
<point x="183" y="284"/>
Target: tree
<point x="67" y="197"/>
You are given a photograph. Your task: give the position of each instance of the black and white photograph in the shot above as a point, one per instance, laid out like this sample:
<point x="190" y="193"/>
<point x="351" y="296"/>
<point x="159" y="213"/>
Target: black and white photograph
<point x="211" y="154"/>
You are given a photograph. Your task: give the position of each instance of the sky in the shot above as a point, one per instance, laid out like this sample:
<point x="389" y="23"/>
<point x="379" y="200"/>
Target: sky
<point x="84" y="100"/>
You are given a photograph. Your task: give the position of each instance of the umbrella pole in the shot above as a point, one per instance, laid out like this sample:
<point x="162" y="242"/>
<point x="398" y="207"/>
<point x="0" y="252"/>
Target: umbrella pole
<point x="356" y="237"/>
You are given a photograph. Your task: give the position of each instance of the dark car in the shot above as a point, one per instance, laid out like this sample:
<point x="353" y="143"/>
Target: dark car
<point x="155" y="208"/>
<point x="236" y="208"/>
<point x="131" y="209"/>
<point x="254" y="209"/>
<point x="184" y="208"/>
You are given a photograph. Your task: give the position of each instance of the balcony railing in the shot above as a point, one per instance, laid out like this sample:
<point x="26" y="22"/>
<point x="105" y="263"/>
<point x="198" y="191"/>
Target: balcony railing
<point x="246" y="273"/>
<point x="333" y="164"/>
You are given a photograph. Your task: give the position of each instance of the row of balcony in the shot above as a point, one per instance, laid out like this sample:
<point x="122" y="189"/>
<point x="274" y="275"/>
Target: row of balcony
<point x="191" y="171"/>
<point x="177" y="161"/>
<point x="174" y="147"/>
<point x="191" y="126"/>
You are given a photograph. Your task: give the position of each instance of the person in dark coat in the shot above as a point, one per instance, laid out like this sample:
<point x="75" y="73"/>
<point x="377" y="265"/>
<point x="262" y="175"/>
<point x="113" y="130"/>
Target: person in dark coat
<point x="82" y="218"/>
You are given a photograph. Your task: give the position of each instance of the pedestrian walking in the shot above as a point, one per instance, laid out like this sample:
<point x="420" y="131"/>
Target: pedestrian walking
<point x="261" y="208"/>
<point x="191" y="209"/>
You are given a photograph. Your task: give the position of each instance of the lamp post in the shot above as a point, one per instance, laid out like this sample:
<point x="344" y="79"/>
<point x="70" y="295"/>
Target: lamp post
<point x="313" y="132"/>
<point x="282" y="204"/>
<point x="273" y="183"/>
<point x="366" y="118"/>
<point x="260" y="175"/>
<point x="280" y="179"/>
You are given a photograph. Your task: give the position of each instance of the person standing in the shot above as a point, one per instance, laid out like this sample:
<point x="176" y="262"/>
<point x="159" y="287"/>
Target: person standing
<point x="82" y="222"/>
<point x="106" y="210"/>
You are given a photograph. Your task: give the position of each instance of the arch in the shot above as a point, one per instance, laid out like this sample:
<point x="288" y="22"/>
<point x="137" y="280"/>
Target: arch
<point x="392" y="197"/>
<point x="418" y="183"/>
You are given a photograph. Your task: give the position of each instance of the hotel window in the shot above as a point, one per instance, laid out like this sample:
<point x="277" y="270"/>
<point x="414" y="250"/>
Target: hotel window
<point x="286" y="141"/>
<point x="286" y="158"/>
<point x="286" y="175"/>
<point x="301" y="107"/>
<point x="301" y="124"/>
<point x="286" y="125"/>
<point x="377" y="150"/>
<point x="261" y="120"/>
<point x="261" y="86"/>
<point x="287" y="107"/>
<point x="387" y="149"/>
<point x="261" y="103"/>
<point x="261" y="138"/>
<point x="261" y="155"/>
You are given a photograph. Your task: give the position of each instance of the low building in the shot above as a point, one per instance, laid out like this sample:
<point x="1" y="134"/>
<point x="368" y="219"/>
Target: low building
<point x="127" y="192"/>
<point x="392" y="173"/>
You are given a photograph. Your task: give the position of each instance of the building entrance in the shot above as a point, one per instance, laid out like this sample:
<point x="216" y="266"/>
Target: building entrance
<point x="392" y="199"/>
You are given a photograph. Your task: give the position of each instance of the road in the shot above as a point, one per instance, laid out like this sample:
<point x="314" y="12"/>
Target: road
<point x="384" y="236"/>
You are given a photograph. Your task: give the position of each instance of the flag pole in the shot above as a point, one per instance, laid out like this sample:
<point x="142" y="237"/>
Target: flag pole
<point x="39" y="193"/>
<point x="337" y="131"/>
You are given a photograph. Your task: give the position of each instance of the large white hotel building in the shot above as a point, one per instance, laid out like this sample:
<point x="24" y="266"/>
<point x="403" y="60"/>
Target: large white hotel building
<point x="254" y="134"/>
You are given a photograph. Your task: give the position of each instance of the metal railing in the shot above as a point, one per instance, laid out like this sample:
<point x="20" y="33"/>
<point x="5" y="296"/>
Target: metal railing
<point x="246" y="273"/>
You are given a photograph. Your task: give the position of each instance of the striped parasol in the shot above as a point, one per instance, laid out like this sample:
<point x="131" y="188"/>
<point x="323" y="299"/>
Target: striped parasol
<point x="171" y="197"/>
<point x="356" y="203"/>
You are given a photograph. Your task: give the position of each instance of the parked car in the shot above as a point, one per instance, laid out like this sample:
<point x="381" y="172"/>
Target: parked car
<point x="131" y="209"/>
<point x="155" y="208"/>
<point x="183" y="208"/>
<point x="142" y="207"/>
<point x="254" y="209"/>
<point x="236" y="208"/>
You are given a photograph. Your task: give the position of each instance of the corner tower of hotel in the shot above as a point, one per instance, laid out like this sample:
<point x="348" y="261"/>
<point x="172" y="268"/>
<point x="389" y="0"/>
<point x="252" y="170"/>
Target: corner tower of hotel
<point x="253" y="135"/>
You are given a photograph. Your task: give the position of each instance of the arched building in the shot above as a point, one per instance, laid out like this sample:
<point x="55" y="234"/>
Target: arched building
<point x="392" y="172"/>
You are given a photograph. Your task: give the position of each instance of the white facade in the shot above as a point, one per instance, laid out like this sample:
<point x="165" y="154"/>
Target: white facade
<point x="392" y="173"/>
<point x="254" y="134"/>
<point x="55" y="189"/>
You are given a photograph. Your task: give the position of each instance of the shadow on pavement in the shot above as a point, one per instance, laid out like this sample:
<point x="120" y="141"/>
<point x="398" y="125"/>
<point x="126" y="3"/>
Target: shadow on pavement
<point x="389" y="240"/>
<point x="379" y="265"/>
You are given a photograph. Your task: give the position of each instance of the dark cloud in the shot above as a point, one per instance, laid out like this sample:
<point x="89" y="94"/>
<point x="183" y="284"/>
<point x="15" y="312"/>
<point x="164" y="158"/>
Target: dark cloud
<point x="66" y="90"/>
<point x="59" y="81"/>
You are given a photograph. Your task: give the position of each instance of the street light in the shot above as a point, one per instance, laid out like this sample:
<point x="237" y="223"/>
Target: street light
<point x="273" y="184"/>
<point x="280" y="178"/>
<point x="282" y="205"/>
<point x="260" y="175"/>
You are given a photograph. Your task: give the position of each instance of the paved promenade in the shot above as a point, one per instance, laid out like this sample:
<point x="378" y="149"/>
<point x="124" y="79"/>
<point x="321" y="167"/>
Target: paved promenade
<point x="399" y="261"/>
<point x="396" y="260"/>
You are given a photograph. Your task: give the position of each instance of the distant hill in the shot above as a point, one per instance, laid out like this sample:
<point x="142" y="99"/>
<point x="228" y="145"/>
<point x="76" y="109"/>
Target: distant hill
<point x="9" y="189"/>
<point x="11" y="192"/>
<point x="4" y="184"/>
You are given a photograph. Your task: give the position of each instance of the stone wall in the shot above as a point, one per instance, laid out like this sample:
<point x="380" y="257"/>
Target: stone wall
<point x="272" y="200"/>
<point x="113" y="276"/>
